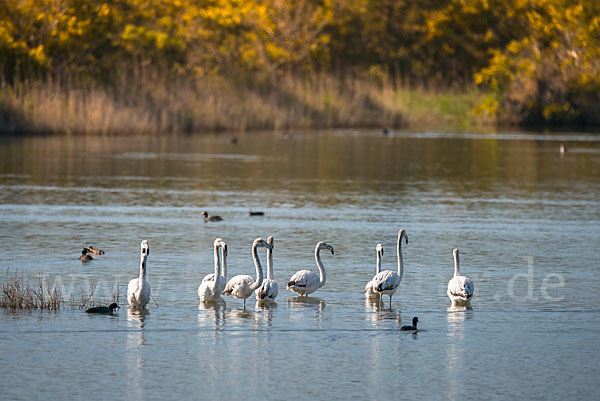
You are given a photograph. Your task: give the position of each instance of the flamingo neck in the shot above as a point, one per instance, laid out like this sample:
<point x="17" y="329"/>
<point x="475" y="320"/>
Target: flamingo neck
<point x="400" y="258"/>
<point x="378" y="265"/>
<point x="322" y="274"/>
<point x="217" y="261"/>
<point x="259" y="271"/>
<point x="223" y="264"/>
<point x="456" y="265"/>
<point x="143" y="267"/>
<point x="269" y="264"/>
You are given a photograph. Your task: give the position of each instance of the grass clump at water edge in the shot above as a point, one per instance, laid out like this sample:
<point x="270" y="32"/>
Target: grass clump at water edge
<point x="20" y="294"/>
<point x="17" y="293"/>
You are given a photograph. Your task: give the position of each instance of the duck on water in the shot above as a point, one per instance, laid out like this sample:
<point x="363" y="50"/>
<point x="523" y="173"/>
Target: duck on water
<point x="412" y="327"/>
<point x="106" y="310"/>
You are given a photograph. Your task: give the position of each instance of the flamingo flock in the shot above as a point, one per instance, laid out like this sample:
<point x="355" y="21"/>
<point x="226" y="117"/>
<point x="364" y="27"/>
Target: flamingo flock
<point x="304" y="282"/>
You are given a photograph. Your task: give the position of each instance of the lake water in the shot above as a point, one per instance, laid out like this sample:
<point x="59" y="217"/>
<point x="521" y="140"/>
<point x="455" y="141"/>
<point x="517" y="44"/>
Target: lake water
<point x="525" y="217"/>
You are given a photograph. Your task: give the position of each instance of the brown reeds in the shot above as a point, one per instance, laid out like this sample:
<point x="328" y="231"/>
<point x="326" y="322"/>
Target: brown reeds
<point x="16" y="293"/>
<point x="155" y="105"/>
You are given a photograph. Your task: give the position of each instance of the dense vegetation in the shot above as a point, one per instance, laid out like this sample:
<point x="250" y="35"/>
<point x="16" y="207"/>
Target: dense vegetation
<point x="294" y="63"/>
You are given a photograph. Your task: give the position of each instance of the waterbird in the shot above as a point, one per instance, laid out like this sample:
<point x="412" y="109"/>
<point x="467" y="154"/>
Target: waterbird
<point x="242" y="286"/>
<point x="370" y="287"/>
<point x="460" y="288"/>
<point x="415" y="320"/>
<point x="95" y="251"/>
<point x="562" y="149"/>
<point x="252" y="213"/>
<point x="84" y="256"/>
<point x="268" y="289"/>
<point x="208" y="217"/>
<point x="138" y="290"/>
<point x="107" y="310"/>
<point x="388" y="281"/>
<point x="306" y="282"/>
<point x="213" y="284"/>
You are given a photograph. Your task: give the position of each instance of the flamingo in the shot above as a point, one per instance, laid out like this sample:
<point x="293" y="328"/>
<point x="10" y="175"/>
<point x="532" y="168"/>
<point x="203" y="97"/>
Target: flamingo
<point x="388" y="281"/>
<point x="370" y="287"/>
<point x="268" y="289"/>
<point x="242" y="286"/>
<point x="306" y="282"/>
<point x="460" y="288"/>
<point x="213" y="284"/>
<point x="138" y="290"/>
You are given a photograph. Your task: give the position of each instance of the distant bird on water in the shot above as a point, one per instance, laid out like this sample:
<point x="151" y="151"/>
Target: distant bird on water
<point x="253" y="213"/>
<point x="93" y="251"/>
<point x="106" y="310"/>
<point x="415" y="320"/>
<point x="84" y="256"/>
<point x="208" y="217"/>
<point x="562" y="149"/>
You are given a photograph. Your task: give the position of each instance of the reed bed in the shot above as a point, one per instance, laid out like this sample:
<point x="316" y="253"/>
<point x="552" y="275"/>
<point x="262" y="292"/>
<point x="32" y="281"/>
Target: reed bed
<point x="17" y="293"/>
<point x="157" y="105"/>
<point x="20" y="294"/>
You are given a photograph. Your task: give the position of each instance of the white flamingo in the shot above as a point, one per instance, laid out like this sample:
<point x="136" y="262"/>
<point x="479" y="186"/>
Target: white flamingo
<point x="268" y="289"/>
<point x="370" y="287"/>
<point x="460" y="288"/>
<point x="243" y="286"/>
<point x="388" y="281"/>
<point x="138" y="290"/>
<point x="213" y="284"/>
<point x="305" y="282"/>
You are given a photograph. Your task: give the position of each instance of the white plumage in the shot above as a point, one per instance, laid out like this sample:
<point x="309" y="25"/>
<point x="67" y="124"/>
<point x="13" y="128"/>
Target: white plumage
<point x="268" y="290"/>
<point x="138" y="289"/>
<point x="370" y="287"/>
<point x="388" y="281"/>
<point x="305" y="282"/>
<point x="243" y="286"/>
<point x="460" y="288"/>
<point x="213" y="284"/>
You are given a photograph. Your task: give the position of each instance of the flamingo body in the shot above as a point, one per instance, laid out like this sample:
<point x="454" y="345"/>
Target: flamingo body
<point x="460" y="288"/>
<point x="138" y="289"/>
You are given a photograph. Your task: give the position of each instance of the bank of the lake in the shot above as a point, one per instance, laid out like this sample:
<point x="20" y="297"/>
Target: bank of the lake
<point x="154" y="105"/>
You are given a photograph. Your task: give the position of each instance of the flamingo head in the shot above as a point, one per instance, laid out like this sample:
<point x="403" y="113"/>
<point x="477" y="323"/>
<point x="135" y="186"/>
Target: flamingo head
<point x="145" y="248"/>
<point x="323" y="245"/>
<point x="402" y="233"/>
<point x="261" y="242"/>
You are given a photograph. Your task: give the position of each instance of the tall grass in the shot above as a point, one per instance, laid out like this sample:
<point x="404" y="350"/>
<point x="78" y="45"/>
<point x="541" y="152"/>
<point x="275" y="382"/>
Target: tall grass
<point x="17" y="293"/>
<point x="20" y="294"/>
<point x="157" y="105"/>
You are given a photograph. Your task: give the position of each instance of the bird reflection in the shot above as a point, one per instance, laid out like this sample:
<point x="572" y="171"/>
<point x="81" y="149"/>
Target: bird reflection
<point x="134" y="355"/>
<point x="137" y="317"/>
<point x="240" y="314"/>
<point x="377" y="313"/>
<point x="218" y="308"/>
<point x="266" y="307"/>
<point x="305" y="303"/>
<point x="456" y="317"/>
<point x="301" y="301"/>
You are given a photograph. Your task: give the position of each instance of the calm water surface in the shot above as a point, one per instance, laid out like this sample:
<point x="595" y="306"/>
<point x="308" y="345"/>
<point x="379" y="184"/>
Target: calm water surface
<point x="526" y="219"/>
